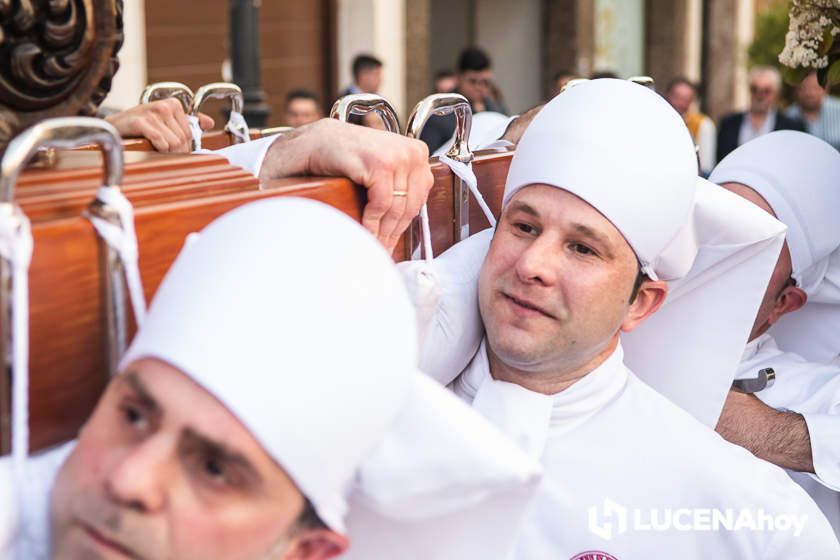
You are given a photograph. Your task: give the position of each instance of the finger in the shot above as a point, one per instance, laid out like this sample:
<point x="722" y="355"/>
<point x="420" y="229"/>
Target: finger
<point x="162" y="138"/>
<point x="183" y="136"/>
<point x="380" y="197"/>
<point x="184" y="126"/>
<point x="205" y="122"/>
<point x="420" y="182"/>
<point x="394" y="221"/>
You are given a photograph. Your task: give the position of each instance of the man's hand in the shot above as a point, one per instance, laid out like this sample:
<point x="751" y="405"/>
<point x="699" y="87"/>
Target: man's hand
<point x="162" y="122"/>
<point x="383" y="162"/>
<point x="778" y="437"/>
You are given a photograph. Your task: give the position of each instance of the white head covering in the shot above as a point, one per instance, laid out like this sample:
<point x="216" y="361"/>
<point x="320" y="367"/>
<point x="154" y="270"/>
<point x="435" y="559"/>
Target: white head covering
<point x="294" y="318"/>
<point x="624" y="150"/>
<point x="799" y="176"/>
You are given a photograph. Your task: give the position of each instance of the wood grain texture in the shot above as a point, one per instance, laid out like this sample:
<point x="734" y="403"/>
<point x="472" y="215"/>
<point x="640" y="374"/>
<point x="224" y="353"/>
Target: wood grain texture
<point x="173" y="196"/>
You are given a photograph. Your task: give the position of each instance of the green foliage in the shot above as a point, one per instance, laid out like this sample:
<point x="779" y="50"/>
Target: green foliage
<point x="833" y="75"/>
<point x="771" y="26"/>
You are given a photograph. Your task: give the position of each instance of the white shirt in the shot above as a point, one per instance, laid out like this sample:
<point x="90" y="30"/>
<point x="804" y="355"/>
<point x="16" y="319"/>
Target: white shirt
<point x="747" y="131"/>
<point x="812" y="390"/>
<point x="611" y="437"/>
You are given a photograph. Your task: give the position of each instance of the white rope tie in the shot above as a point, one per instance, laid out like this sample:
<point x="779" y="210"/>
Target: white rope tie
<point x="123" y="239"/>
<point x="16" y="250"/>
<point x="237" y="126"/>
<point x="464" y="172"/>
<point x="195" y="129"/>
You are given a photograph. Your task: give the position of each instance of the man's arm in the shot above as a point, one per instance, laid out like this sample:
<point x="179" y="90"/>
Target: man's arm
<point x="779" y="437"/>
<point x="162" y="122"/>
<point x="383" y="162"/>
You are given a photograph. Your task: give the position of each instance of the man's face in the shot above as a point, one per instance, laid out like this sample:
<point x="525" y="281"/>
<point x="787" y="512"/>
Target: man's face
<point x="763" y="93"/>
<point x="555" y="287"/>
<point x="301" y="111"/>
<point x="473" y="85"/>
<point x="162" y="470"/>
<point x="810" y="94"/>
<point x="781" y="296"/>
<point x="370" y="80"/>
<point x="681" y="96"/>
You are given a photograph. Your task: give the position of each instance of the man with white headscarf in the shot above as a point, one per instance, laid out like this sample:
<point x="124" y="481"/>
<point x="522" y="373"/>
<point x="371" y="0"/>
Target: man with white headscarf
<point x="794" y="176"/>
<point x="602" y="206"/>
<point x="231" y="433"/>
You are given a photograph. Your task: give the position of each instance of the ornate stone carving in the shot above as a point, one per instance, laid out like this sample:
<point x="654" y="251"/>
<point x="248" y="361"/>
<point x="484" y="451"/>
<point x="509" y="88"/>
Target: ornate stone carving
<point x="57" y="58"/>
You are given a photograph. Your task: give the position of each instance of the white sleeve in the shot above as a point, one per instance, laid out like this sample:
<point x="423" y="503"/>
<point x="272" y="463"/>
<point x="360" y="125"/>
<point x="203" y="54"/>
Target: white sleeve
<point x="707" y="139"/>
<point x="248" y="155"/>
<point x="824" y="432"/>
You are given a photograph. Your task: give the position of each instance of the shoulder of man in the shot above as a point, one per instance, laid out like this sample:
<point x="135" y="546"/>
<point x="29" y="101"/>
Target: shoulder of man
<point x="785" y="122"/>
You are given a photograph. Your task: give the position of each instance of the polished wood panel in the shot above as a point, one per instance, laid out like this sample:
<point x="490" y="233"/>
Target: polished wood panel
<point x="173" y="196"/>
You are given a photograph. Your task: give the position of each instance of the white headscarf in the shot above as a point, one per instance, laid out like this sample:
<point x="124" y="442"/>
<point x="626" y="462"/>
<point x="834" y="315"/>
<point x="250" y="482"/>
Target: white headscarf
<point x="294" y="317"/>
<point x="799" y="176"/>
<point x="624" y="150"/>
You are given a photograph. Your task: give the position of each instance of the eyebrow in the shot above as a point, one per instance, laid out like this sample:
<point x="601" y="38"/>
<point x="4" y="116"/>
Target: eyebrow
<point x="598" y="238"/>
<point x="525" y="208"/>
<point x="193" y="439"/>
<point x="143" y="393"/>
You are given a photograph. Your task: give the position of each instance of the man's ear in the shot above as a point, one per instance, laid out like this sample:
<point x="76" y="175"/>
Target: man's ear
<point x="316" y="544"/>
<point x="789" y="300"/>
<point x="649" y="298"/>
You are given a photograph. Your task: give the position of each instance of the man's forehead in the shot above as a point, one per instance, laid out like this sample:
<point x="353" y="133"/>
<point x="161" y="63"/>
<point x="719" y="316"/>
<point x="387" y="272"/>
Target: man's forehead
<point x="549" y="199"/>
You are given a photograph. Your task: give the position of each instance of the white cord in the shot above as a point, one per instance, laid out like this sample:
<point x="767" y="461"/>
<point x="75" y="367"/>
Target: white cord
<point x="465" y="173"/>
<point x="123" y="239"/>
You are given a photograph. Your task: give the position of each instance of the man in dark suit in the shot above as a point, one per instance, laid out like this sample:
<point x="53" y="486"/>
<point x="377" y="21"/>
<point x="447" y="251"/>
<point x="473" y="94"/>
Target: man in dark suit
<point x="763" y="117"/>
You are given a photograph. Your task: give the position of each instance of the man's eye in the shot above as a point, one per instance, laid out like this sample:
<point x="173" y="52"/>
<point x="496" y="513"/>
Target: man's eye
<point x="214" y="469"/>
<point x="525" y="228"/>
<point x="133" y="416"/>
<point x="582" y="249"/>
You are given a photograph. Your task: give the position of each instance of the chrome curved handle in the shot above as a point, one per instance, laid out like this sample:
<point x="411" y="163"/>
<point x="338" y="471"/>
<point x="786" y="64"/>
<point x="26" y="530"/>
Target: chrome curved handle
<point x="362" y="104"/>
<point x="223" y="90"/>
<point x="165" y="90"/>
<point x="444" y="104"/>
<point x="64" y="132"/>
<point x="218" y="90"/>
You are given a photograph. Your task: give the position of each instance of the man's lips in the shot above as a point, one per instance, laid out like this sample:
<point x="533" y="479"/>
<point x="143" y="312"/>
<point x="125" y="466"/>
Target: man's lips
<point x="526" y="304"/>
<point x="104" y="541"/>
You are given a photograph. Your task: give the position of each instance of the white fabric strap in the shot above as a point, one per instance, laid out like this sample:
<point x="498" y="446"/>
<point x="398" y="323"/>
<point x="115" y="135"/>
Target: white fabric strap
<point x="16" y="250"/>
<point x="427" y="234"/>
<point x="195" y="128"/>
<point x="237" y="126"/>
<point x="464" y="172"/>
<point x="123" y="239"/>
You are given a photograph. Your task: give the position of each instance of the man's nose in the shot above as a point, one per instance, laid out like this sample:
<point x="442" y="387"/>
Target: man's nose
<point x="139" y="479"/>
<point x="538" y="262"/>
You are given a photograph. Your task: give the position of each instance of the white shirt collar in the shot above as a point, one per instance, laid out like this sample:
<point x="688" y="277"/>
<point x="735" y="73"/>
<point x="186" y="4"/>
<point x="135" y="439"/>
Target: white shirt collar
<point x="527" y="416"/>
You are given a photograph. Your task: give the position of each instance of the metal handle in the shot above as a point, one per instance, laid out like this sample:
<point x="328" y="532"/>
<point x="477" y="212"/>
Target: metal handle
<point x="444" y="104"/>
<point x="765" y="379"/>
<point x="362" y="104"/>
<point x="65" y="132"/>
<point x="72" y="132"/>
<point x="165" y="90"/>
<point x="223" y="90"/>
